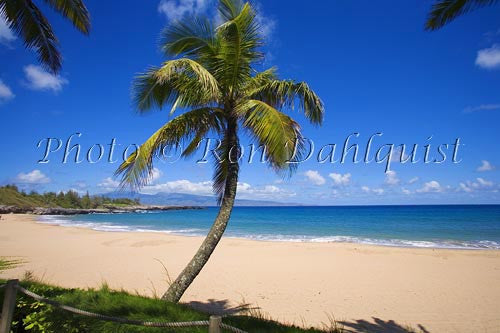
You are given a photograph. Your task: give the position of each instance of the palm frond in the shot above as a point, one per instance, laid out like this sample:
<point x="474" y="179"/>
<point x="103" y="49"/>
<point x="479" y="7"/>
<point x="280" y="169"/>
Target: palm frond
<point x="73" y="10"/>
<point x="229" y="9"/>
<point x="285" y="93"/>
<point x="445" y="11"/>
<point x="182" y="81"/>
<point x="137" y="169"/>
<point x="279" y="133"/>
<point x="239" y="42"/>
<point x="27" y="20"/>
<point x="191" y="37"/>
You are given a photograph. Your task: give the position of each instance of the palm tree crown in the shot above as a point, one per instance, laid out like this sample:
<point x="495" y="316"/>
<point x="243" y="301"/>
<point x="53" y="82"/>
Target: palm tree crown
<point x="215" y="78"/>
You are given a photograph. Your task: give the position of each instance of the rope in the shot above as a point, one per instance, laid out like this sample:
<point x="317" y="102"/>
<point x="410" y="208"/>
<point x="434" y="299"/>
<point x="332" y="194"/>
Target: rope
<point x="231" y="328"/>
<point x="118" y="319"/>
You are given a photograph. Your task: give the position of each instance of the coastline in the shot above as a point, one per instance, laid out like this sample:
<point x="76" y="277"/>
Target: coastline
<point x="444" y="290"/>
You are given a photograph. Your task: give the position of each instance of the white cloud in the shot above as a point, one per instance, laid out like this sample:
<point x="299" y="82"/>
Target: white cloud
<point x="314" y="177"/>
<point x="391" y="178"/>
<point x="109" y="184"/>
<point x="398" y="155"/>
<point x="180" y="186"/>
<point x="155" y="175"/>
<point x="432" y="186"/>
<point x="413" y="180"/>
<point x="378" y="191"/>
<point x="340" y="179"/>
<point x="484" y="183"/>
<point x="39" y="79"/>
<point x="479" y="185"/>
<point x="482" y="107"/>
<point x="405" y="191"/>
<point x="485" y="166"/>
<point x="6" y="34"/>
<point x="177" y="9"/>
<point x="268" y="191"/>
<point x="489" y="58"/>
<point x="266" y="24"/>
<point x="33" y="177"/>
<point x="5" y="92"/>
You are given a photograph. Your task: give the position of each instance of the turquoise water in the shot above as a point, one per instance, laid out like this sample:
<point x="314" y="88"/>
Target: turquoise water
<point x="406" y="226"/>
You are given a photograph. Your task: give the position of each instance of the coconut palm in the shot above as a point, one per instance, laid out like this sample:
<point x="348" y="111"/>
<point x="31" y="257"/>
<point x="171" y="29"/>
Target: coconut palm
<point x="213" y="78"/>
<point x="445" y="11"/>
<point x="26" y="19"/>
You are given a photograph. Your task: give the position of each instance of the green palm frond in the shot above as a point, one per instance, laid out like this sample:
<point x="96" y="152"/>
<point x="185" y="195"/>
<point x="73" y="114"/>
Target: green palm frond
<point x="445" y="11"/>
<point x="259" y="80"/>
<point x="75" y="11"/>
<point x="191" y="37"/>
<point x="136" y="170"/>
<point x="239" y="40"/>
<point x="285" y="93"/>
<point x="182" y="81"/>
<point x="275" y="130"/>
<point x="229" y="9"/>
<point x="29" y="22"/>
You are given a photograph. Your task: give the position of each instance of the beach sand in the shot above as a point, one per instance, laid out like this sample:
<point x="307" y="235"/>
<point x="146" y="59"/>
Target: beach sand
<point x="380" y="287"/>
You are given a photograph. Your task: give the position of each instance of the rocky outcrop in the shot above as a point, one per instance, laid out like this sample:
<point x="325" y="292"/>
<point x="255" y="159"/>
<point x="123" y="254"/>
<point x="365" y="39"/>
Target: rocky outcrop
<point x="73" y="211"/>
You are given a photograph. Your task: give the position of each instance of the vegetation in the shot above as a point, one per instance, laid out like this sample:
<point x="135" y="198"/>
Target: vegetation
<point x="445" y="11"/>
<point x="6" y="263"/>
<point x="217" y="81"/>
<point x="11" y="196"/>
<point x="33" y="316"/>
<point x="26" y="19"/>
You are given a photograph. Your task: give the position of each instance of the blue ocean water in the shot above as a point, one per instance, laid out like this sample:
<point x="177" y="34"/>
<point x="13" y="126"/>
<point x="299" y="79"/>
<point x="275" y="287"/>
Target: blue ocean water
<point x="453" y="226"/>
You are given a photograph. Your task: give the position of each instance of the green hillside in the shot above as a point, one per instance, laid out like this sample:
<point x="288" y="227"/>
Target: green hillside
<point x="11" y="196"/>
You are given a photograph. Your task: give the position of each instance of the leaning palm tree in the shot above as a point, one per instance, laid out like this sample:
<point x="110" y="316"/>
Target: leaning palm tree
<point x="214" y="81"/>
<point x="26" y="19"/>
<point x="445" y="11"/>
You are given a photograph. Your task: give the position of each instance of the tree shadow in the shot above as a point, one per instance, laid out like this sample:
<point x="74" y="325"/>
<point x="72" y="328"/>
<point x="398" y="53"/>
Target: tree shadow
<point x="220" y="307"/>
<point x="379" y="326"/>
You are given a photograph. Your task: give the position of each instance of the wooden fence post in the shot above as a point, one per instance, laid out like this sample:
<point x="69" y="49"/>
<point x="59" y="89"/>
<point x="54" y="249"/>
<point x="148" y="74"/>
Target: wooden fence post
<point x="213" y="324"/>
<point x="9" y="304"/>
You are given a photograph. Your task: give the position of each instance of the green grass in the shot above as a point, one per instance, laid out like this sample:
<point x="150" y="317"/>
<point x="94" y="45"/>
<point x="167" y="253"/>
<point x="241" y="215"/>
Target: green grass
<point x="6" y="264"/>
<point x="11" y="197"/>
<point x="32" y="316"/>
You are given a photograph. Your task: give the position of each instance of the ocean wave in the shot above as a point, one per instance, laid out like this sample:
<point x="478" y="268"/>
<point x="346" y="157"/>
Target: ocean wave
<point x="436" y="243"/>
<point x="104" y="226"/>
<point x="441" y="244"/>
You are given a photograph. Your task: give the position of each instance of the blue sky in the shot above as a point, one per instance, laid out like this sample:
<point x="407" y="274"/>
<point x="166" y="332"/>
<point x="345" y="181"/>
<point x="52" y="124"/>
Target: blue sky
<point x="372" y="64"/>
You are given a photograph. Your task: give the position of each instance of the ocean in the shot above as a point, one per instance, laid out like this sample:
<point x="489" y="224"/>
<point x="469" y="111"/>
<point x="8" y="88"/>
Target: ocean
<point x="443" y="226"/>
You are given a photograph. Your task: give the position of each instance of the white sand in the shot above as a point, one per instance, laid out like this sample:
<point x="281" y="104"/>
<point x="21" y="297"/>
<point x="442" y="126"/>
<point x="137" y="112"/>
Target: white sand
<point x="442" y="290"/>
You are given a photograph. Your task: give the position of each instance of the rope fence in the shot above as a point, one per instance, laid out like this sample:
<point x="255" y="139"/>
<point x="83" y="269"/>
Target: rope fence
<point x="12" y="287"/>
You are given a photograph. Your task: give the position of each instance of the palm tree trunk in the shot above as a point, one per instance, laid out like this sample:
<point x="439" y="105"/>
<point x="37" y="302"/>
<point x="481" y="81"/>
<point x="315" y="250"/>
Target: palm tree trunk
<point x="187" y="276"/>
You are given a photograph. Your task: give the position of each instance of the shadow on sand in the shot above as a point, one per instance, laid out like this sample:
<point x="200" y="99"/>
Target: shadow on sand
<point x="379" y="326"/>
<point x="376" y="325"/>
<point x="220" y="307"/>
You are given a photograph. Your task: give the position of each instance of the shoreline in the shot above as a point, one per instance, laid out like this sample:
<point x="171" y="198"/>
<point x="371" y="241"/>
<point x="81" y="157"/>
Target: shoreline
<point x="444" y="290"/>
<point x="354" y="240"/>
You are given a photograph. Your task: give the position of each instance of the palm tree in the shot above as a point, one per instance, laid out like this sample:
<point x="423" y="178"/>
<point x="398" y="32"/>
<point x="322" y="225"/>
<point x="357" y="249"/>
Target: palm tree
<point x="215" y="79"/>
<point x="445" y="11"/>
<point x="26" y="19"/>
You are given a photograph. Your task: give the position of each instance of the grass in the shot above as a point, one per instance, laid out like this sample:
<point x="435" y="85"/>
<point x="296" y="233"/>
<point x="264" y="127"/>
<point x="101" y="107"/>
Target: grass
<point x="6" y="264"/>
<point x="32" y="316"/>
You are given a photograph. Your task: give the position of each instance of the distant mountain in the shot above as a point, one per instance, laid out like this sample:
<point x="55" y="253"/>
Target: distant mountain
<point x="182" y="199"/>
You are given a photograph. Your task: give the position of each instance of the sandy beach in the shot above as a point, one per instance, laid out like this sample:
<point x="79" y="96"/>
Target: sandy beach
<point x="382" y="288"/>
